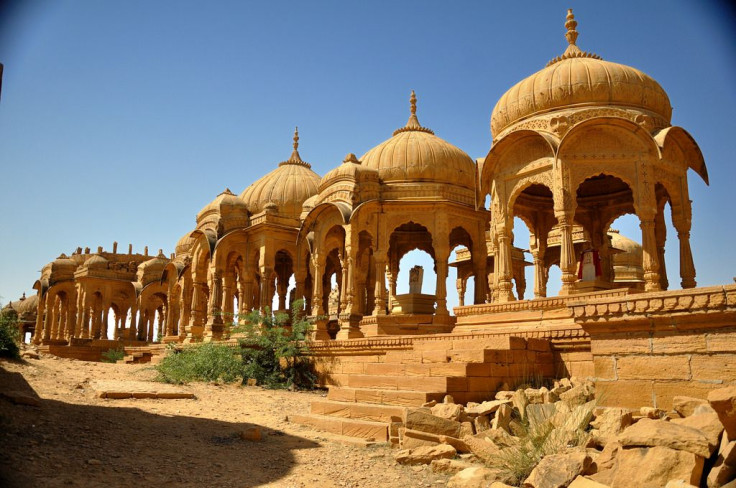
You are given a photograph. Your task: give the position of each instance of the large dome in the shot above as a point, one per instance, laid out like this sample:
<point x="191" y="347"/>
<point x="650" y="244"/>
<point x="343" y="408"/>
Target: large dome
<point x="415" y="154"/>
<point x="287" y="187"/>
<point x="579" y="79"/>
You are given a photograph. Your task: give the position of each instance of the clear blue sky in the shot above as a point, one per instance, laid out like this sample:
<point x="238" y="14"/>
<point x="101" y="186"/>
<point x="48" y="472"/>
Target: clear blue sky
<point x="120" y="120"/>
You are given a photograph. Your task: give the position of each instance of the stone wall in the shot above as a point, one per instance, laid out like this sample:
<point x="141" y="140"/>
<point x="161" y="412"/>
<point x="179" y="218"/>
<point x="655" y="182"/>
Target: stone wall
<point x="649" y="347"/>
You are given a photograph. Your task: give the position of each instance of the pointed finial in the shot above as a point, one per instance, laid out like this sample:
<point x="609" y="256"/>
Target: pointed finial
<point x="413" y="102"/>
<point x="413" y="123"/>
<point x="570" y="24"/>
<point x="296" y="138"/>
<point x="295" y="158"/>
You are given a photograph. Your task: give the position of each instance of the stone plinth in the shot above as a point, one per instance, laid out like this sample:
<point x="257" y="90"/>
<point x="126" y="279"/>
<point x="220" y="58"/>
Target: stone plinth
<point x="414" y="303"/>
<point x="406" y="324"/>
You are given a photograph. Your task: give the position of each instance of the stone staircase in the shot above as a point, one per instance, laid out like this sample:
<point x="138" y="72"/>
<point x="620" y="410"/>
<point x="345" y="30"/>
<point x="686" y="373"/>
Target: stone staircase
<point x="371" y="404"/>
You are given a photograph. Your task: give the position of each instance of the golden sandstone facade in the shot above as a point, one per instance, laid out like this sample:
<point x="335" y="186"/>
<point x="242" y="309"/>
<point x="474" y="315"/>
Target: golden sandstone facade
<point x="574" y="146"/>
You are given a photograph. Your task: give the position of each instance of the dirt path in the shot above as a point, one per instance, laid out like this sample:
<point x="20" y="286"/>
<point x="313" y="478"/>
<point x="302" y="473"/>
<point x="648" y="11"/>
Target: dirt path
<point x="74" y="438"/>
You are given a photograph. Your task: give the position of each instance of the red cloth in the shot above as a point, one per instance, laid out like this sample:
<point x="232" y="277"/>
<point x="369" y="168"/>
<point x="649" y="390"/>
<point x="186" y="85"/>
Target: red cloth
<point x="596" y="263"/>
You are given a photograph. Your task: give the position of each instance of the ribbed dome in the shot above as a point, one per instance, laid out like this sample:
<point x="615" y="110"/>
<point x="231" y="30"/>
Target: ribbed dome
<point x="288" y="186"/>
<point x="579" y="79"/>
<point x="63" y="263"/>
<point x="225" y="202"/>
<point x="351" y="169"/>
<point x="184" y="245"/>
<point x="226" y="211"/>
<point x="96" y="262"/>
<point x="627" y="265"/>
<point x="415" y="154"/>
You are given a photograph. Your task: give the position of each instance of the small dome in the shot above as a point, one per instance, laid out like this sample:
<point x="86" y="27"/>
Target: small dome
<point x="415" y="154"/>
<point x="579" y="79"/>
<point x="287" y="187"/>
<point x="96" y="262"/>
<point x="65" y="263"/>
<point x="184" y="245"/>
<point x="226" y="209"/>
<point x="152" y="269"/>
<point x="350" y="170"/>
<point x="627" y="263"/>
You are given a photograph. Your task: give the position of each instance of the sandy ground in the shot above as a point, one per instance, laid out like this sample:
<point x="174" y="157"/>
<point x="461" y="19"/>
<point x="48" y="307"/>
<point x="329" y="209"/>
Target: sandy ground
<point x="74" y="438"/>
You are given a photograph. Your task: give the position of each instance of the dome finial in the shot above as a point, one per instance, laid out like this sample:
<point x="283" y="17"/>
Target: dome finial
<point x="413" y="123"/>
<point x="295" y="158"/>
<point x="413" y="102"/>
<point x="570" y="24"/>
<point x="296" y="138"/>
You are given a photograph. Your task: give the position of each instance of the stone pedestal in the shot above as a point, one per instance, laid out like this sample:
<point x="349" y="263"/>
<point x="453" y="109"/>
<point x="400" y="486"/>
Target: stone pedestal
<point x="413" y="303"/>
<point x="593" y="285"/>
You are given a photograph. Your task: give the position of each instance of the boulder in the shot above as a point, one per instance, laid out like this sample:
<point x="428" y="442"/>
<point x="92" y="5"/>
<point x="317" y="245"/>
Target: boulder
<point x="723" y="401"/>
<point x="252" y="434"/>
<point x="499" y="437"/>
<point x="449" y="466"/>
<point x="449" y="411"/>
<point x="650" y="433"/>
<point x="484" y="449"/>
<point x="685" y="405"/>
<point x="706" y="423"/>
<point x="481" y="423"/>
<point x="679" y="484"/>
<point x="575" y="396"/>
<point x="583" y="482"/>
<point x="423" y="420"/>
<point x="476" y="477"/>
<point x="502" y="418"/>
<point x="611" y="422"/>
<point x="651" y="467"/>
<point x="486" y="408"/>
<point x="652" y="413"/>
<point x="520" y="401"/>
<point x="558" y="470"/>
<point x="425" y="454"/>
<point x="539" y="413"/>
<point x="536" y="395"/>
<point x="724" y="469"/>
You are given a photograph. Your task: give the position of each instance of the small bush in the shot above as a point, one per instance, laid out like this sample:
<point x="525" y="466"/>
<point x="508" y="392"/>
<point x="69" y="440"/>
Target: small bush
<point x="203" y="362"/>
<point x="113" y="355"/>
<point x="9" y="336"/>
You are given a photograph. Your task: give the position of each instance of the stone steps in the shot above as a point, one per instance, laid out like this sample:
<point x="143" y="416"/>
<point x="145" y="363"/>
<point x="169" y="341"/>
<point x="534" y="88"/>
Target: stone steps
<point x="410" y="383"/>
<point x="361" y="411"/>
<point x="362" y="429"/>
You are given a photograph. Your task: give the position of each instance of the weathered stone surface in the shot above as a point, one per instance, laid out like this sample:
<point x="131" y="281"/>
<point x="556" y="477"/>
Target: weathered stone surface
<point x="423" y="420"/>
<point x="539" y="413"/>
<point x="481" y="423"/>
<point x="724" y="469"/>
<point x="653" y="467"/>
<point x="425" y="454"/>
<point x="21" y="398"/>
<point x="611" y="422"/>
<point x="652" y="413"/>
<point x="486" y="408"/>
<point x="449" y="411"/>
<point x="499" y="437"/>
<point x="583" y="482"/>
<point x="29" y="355"/>
<point x="484" y="449"/>
<point x="575" y="396"/>
<point x="449" y="466"/>
<point x="476" y="477"/>
<point x="114" y="389"/>
<point x="411" y="439"/>
<point x="679" y="484"/>
<point x="685" y="405"/>
<point x="536" y="395"/>
<point x="558" y="470"/>
<point x="708" y="424"/>
<point x="504" y="394"/>
<point x="502" y="418"/>
<point x="723" y="401"/>
<point x="458" y="444"/>
<point x="252" y="434"/>
<point x="519" y="402"/>
<point x="647" y="432"/>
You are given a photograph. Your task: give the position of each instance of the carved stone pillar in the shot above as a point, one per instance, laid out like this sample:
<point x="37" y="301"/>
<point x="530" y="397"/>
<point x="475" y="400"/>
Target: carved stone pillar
<point x="392" y="275"/>
<point x="480" y="273"/>
<point x="267" y="288"/>
<point x="568" y="261"/>
<point x="214" y="304"/>
<point x="539" y="250"/>
<point x="133" y="320"/>
<point x="687" y="266"/>
<point x="460" y="284"/>
<point x="40" y="309"/>
<point x="650" y="261"/>
<point x="300" y="276"/>
<point x="318" y="264"/>
<point x="55" y="315"/>
<point x="185" y="307"/>
<point x="441" y="255"/>
<point x="81" y="297"/>
<point x="504" y="270"/>
<point x="103" y="324"/>
<point x="660" y="234"/>
<point x="380" y="292"/>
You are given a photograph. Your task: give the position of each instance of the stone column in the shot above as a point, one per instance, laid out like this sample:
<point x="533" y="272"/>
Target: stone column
<point x="142" y="325"/>
<point x="660" y="234"/>
<point x="214" y="306"/>
<point x="133" y="325"/>
<point x="650" y="262"/>
<point x="197" y="294"/>
<point x="56" y="318"/>
<point x="539" y="251"/>
<point x="318" y="264"/>
<point x="185" y="308"/>
<point x="479" y="255"/>
<point x="267" y="288"/>
<point x="392" y="274"/>
<point x="300" y="276"/>
<point x="228" y="294"/>
<point x="504" y="270"/>
<point x="80" y="311"/>
<point x="441" y="255"/>
<point x="568" y="261"/>
<point x="380" y="294"/>
<point x="103" y="325"/>
<point x="460" y="284"/>
<point x="687" y="267"/>
<point x="40" y="309"/>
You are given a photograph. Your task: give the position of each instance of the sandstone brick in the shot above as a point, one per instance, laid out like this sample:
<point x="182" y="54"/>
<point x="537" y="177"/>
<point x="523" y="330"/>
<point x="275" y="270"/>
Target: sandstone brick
<point x="714" y="367"/>
<point x="354" y="367"/>
<point x="389" y="369"/>
<point x="604" y="367"/>
<point x="448" y="369"/>
<point x="666" y="391"/>
<point x="439" y="356"/>
<point x="721" y="341"/>
<point x="653" y="367"/>
<point x="538" y="345"/>
<point x="457" y="384"/>
<point x="621" y="344"/>
<point x="367" y="381"/>
<point x="626" y="394"/>
<point x="480" y="384"/>
<point x="678" y="344"/>
<point x="368" y="396"/>
<point x="478" y="369"/>
<point x="341" y="394"/>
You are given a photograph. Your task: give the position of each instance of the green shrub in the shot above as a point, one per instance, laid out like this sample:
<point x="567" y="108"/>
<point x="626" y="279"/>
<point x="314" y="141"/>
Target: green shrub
<point x="113" y="355"/>
<point x="9" y="336"/>
<point x="275" y="354"/>
<point x="203" y="362"/>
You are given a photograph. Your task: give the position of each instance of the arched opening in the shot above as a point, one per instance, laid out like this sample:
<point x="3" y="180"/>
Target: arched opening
<point x="600" y="199"/>
<point x="533" y="226"/>
<point x="284" y="271"/>
<point x="365" y="276"/>
<point x="416" y="239"/>
<point x="626" y="260"/>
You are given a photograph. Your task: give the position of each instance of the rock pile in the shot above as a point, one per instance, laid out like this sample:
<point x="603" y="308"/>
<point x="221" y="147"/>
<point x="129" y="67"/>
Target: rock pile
<point x="557" y="437"/>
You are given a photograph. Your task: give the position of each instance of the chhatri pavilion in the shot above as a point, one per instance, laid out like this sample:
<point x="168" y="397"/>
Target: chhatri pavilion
<point x="574" y="146"/>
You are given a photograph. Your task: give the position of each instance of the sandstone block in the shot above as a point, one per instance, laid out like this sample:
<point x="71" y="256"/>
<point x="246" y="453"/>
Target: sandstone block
<point x="475" y="477"/>
<point x="706" y="423"/>
<point x="724" y="469"/>
<point x="538" y="414"/>
<point x="718" y="367"/>
<point x="583" y="482"/>
<point x="481" y="423"/>
<point x="612" y="421"/>
<point x="425" y="454"/>
<point x="575" y="396"/>
<point x="558" y="470"/>
<point x="653" y="467"/>
<point x="449" y="466"/>
<point x="653" y="367"/>
<point x="449" y="411"/>
<point x="723" y="401"/>
<point x="684" y="405"/>
<point x="486" y="408"/>
<point x="519" y="400"/>
<point x="485" y="450"/>
<point x="502" y="418"/>
<point x="252" y="434"/>
<point x="650" y="433"/>
<point x="423" y="420"/>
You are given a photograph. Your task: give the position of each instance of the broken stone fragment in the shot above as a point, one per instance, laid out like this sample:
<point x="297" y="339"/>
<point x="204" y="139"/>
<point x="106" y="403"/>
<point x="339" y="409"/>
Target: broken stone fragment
<point x="558" y="470"/>
<point x="486" y="408"/>
<point x="685" y="405"/>
<point x="449" y="466"/>
<point x="611" y="422"/>
<point x="653" y="467"/>
<point x="423" y="420"/>
<point x="583" y="482"/>
<point x="484" y="449"/>
<point x="723" y="401"/>
<point x="502" y="418"/>
<point x="706" y="423"/>
<point x="476" y="477"/>
<point x="252" y="434"/>
<point x="650" y="433"/>
<point x="449" y="411"/>
<point x="425" y="454"/>
<point x="724" y="469"/>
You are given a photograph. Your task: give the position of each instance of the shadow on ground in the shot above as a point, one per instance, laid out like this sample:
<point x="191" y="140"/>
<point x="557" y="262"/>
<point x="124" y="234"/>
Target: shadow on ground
<point x="60" y="444"/>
